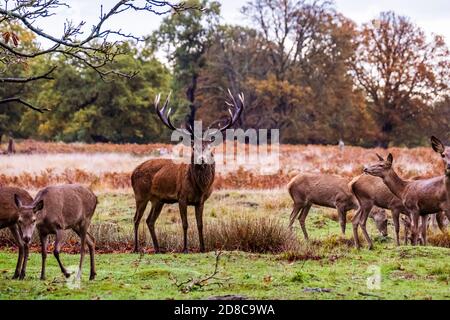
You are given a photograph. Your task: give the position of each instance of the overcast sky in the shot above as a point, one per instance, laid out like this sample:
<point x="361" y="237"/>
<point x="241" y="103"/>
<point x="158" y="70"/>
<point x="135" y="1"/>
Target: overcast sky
<point x="432" y="15"/>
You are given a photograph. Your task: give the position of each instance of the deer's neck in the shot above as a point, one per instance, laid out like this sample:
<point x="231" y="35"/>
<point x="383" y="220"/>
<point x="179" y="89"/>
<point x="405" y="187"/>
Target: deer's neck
<point x="396" y="184"/>
<point x="202" y="176"/>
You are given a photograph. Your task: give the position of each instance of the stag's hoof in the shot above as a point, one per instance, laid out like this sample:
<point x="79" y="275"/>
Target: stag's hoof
<point x="15" y="276"/>
<point x="43" y="278"/>
<point x="92" y="277"/>
<point x="22" y="276"/>
<point x="67" y="274"/>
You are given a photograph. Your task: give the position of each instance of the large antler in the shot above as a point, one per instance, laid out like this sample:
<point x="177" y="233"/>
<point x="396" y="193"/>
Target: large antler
<point x="161" y="112"/>
<point x="236" y="112"/>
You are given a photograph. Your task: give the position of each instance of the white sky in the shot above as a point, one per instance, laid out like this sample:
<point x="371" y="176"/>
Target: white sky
<point x="432" y="15"/>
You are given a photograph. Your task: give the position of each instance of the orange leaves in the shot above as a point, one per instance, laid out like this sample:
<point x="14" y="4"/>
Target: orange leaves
<point x="10" y="36"/>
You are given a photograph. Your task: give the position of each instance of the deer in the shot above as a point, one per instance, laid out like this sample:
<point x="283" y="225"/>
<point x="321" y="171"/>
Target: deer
<point x="327" y="191"/>
<point x="163" y="181"/>
<point x="420" y="197"/>
<point x="9" y="215"/>
<point x="438" y="220"/>
<point x="53" y="210"/>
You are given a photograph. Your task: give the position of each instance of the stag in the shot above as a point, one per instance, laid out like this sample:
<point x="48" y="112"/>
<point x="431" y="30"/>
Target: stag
<point x="163" y="181"/>
<point x="420" y="197"/>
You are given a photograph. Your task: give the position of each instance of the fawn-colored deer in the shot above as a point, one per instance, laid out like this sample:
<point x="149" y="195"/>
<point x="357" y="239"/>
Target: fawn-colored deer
<point x="327" y="191"/>
<point x="55" y="209"/>
<point x="163" y="181"/>
<point x="420" y="197"/>
<point x="9" y="215"/>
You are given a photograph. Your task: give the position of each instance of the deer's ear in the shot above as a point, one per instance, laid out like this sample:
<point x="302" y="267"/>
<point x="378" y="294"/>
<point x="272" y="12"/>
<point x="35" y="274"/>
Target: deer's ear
<point x="379" y="157"/>
<point x="437" y="145"/>
<point x="390" y="158"/>
<point x="39" y="206"/>
<point x="17" y="201"/>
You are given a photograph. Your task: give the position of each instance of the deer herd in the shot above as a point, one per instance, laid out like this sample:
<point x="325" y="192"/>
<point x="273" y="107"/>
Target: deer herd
<point x="163" y="181"/>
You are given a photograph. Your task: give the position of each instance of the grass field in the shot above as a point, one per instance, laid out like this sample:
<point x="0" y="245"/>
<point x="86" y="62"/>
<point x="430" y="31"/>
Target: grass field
<point x="327" y="268"/>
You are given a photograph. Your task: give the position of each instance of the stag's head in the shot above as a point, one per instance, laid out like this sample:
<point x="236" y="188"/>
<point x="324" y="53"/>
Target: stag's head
<point x="28" y="216"/>
<point x="202" y="141"/>
<point x="439" y="147"/>
<point x="381" y="168"/>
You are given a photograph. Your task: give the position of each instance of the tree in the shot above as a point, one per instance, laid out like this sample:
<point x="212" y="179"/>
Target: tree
<point x="400" y="71"/>
<point x="93" y="48"/>
<point x="185" y="38"/>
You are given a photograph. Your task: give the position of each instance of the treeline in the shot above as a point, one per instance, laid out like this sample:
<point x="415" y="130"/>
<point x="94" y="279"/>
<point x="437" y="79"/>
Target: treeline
<point x="304" y="69"/>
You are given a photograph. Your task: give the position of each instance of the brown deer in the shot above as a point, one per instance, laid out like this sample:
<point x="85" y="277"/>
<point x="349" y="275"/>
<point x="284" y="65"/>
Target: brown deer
<point x="327" y="191"/>
<point x="436" y="221"/>
<point x="162" y="181"/>
<point x="370" y="191"/>
<point x="9" y="215"/>
<point x="420" y="197"/>
<point x="55" y="209"/>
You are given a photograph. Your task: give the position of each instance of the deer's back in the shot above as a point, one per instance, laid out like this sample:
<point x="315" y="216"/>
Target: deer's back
<point x="67" y="205"/>
<point x="374" y="189"/>
<point x="322" y="190"/>
<point x="429" y="194"/>
<point x="8" y="208"/>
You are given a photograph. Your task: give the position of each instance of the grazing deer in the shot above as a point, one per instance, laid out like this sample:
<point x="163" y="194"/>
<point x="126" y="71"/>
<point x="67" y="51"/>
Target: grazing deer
<point x="327" y="191"/>
<point x="420" y="197"/>
<point x="162" y="181"/>
<point x="437" y="220"/>
<point x="370" y="191"/>
<point x="55" y="209"/>
<point x="9" y="215"/>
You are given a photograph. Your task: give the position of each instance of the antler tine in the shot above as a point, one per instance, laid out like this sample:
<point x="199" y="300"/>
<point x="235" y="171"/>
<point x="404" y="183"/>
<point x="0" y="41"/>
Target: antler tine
<point x="237" y="110"/>
<point x="161" y="112"/>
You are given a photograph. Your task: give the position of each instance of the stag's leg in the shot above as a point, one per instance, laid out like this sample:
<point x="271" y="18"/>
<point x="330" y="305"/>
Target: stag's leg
<point x="140" y="209"/>
<point x="199" y="218"/>
<point x="58" y="244"/>
<point x="18" y="239"/>
<point x="365" y="211"/>
<point x="342" y="214"/>
<point x="184" y="221"/>
<point x="25" y="261"/>
<point x="415" y="217"/>
<point x="44" y="241"/>
<point x="396" y="220"/>
<point x="302" y="220"/>
<point x="151" y="220"/>
<point x="83" y="236"/>
<point x="294" y="214"/>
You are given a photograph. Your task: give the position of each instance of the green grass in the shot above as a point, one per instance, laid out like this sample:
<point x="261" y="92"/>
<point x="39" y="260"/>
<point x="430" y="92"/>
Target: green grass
<point x="406" y="272"/>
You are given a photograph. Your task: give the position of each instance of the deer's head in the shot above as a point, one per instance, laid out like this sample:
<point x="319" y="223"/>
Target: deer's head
<point x="202" y="141"/>
<point x="381" y="168"/>
<point x="28" y="216"/>
<point x="439" y="147"/>
<point x="381" y="220"/>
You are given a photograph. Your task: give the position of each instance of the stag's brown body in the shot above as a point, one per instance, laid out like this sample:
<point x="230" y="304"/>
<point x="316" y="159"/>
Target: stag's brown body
<point x="162" y="181"/>
<point x="327" y="191"/>
<point x="9" y="214"/>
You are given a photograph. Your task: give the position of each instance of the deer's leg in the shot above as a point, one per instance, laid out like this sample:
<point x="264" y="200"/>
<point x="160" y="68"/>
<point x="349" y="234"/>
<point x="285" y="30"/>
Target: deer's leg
<point x="184" y="221"/>
<point x="83" y="236"/>
<point x="355" y="225"/>
<point x="151" y="220"/>
<point x="58" y="244"/>
<point x="199" y="218"/>
<point x="424" y="230"/>
<point x="18" y="239"/>
<point x="342" y="214"/>
<point x="25" y="261"/>
<point x="91" y="245"/>
<point x="365" y="211"/>
<point x="440" y="221"/>
<point x="415" y="217"/>
<point x="396" y="220"/>
<point x="44" y="241"/>
<point x="140" y="209"/>
<point x="294" y="214"/>
<point x="302" y="220"/>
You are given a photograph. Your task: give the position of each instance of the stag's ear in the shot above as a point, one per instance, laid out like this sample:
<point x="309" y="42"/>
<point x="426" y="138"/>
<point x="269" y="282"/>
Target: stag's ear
<point x="437" y="145"/>
<point x="380" y="157"/>
<point x="390" y="158"/>
<point x="17" y="201"/>
<point x="39" y="206"/>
